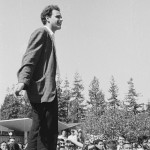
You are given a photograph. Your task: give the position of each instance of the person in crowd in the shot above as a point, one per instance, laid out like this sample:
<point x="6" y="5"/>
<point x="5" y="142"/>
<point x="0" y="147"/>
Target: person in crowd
<point x="4" y="146"/>
<point x="11" y="140"/>
<point x="67" y="145"/>
<point x="127" y="146"/>
<point x="61" y="144"/>
<point x="37" y="76"/>
<point x="73" y="135"/>
<point x="121" y="140"/>
<point x="99" y="144"/>
<point x="87" y="142"/>
<point x="111" y="145"/>
<point x="148" y="143"/>
<point x="75" y="144"/>
<point x="63" y="135"/>
<point x="80" y="136"/>
<point x="135" y="146"/>
<point x="144" y="142"/>
<point x="14" y="146"/>
<point x="140" y="143"/>
<point x="91" y="138"/>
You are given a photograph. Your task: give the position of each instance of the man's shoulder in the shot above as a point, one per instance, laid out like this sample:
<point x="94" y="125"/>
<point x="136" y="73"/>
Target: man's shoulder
<point x="40" y="30"/>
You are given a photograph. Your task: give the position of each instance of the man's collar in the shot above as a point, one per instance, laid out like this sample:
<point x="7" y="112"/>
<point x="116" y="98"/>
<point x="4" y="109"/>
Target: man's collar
<point x="50" y="31"/>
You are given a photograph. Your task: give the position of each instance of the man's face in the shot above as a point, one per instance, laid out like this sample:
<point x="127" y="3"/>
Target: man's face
<point x="72" y="132"/>
<point x="120" y="140"/>
<point x="55" y="20"/>
<point x="87" y="142"/>
<point x="100" y="145"/>
<point x="3" y="146"/>
<point x="62" y="144"/>
<point x="128" y="147"/>
<point x="11" y="141"/>
<point x="112" y="146"/>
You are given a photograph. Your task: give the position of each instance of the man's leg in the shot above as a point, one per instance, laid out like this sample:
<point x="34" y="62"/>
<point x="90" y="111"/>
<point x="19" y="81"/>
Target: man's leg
<point x="37" y="112"/>
<point x="47" y="139"/>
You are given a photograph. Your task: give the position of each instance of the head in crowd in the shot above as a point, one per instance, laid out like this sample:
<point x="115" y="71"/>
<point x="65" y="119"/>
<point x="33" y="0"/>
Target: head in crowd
<point x="80" y="136"/>
<point x="61" y="144"/>
<point x="87" y="142"/>
<point x="4" y="146"/>
<point x="72" y="132"/>
<point x="11" y="140"/>
<point x="121" y="140"/>
<point x="140" y="141"/>
<point x="68" y="144"/>
<point x="144" y="142"/>
<point x="99" y="144"/>
<point x="148" y="142"/>
<point x="127" y="146"/>
<point x="135" y="146"/>
<point x="14" y="146"/>
<point x="111" y="145"/>
<point x="63" y="133"/>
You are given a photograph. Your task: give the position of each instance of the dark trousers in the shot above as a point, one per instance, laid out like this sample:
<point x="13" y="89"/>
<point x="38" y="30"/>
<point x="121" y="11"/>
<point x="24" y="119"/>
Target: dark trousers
<point x="44" y="130"/>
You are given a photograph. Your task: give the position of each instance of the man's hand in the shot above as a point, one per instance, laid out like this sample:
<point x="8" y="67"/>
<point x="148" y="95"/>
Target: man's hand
<point x="18" y="88"/>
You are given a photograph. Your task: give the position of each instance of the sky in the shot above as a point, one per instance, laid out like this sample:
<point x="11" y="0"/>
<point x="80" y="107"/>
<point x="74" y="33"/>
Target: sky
<point x="101" y="38"/>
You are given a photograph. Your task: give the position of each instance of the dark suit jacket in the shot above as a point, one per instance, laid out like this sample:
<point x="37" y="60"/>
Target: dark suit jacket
<point x="38" y="68"/>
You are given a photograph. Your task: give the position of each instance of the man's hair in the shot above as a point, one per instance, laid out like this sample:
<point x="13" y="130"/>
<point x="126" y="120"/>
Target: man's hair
<point x="48" y="12"/>
<point x="14" y="146"/>
<point x="112" y="142"/>
<point x="3" y="142"/>
<point x="11" y="138"/>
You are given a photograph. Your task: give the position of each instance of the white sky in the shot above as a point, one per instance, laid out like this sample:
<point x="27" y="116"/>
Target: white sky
<point x="98" y="38"/>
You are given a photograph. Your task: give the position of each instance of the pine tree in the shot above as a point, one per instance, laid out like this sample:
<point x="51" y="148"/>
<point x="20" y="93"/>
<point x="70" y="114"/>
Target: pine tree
<point x="113" y="100"/>
<point x="10" y="109"/>
<point x="148" y="108"/>
<point x="132" y="97"/>
<point x="76" y="111"/>
<point x="15" y="107"/>
<point x="66" y="94"/>
<point x="61" y="102"/>
<point x="97" y="97"/>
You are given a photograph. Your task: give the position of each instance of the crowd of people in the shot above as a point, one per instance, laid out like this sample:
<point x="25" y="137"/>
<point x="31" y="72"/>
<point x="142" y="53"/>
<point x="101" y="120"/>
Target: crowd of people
<point x="12" y="144"/>
<point x="77" y="141"/>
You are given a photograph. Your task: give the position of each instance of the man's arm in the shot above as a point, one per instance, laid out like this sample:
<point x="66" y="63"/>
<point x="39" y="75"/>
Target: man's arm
<point x="30" y="60"/>
<point x="76" y="143"/>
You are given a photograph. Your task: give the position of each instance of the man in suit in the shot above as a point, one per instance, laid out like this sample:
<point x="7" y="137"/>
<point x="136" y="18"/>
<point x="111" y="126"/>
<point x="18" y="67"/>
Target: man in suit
<point x="37" y="76"/>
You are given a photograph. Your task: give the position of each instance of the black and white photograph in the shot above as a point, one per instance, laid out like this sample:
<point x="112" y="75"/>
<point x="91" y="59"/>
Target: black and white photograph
<point x="74" y="75"/>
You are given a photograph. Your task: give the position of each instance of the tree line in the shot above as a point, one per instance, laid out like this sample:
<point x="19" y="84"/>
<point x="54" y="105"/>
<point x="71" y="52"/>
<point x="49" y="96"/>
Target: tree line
<point x="97" y="115"/>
